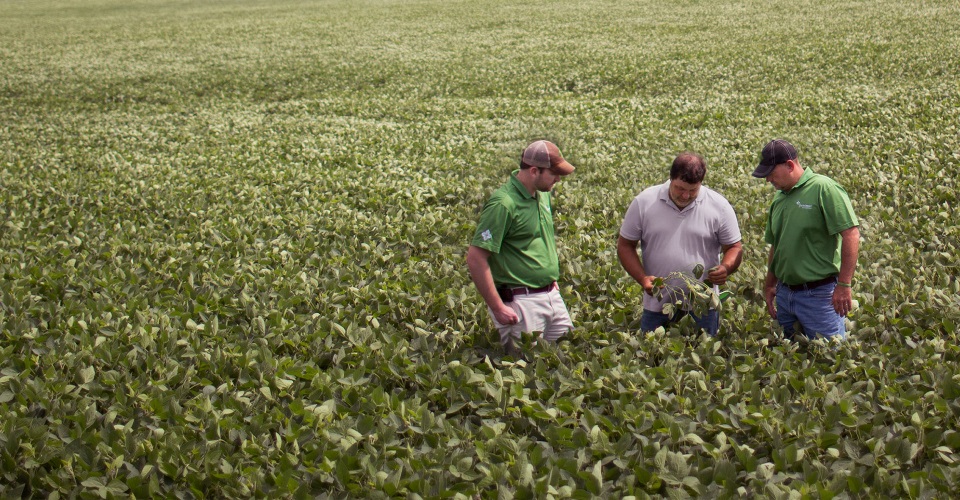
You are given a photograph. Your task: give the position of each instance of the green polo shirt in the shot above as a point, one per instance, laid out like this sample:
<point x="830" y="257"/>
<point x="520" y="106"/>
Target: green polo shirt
<point x="517" y="229"/>
<point x="804" y="226"/>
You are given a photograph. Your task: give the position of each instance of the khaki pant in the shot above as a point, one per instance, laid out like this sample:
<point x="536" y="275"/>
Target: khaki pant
<point x="540" y="312"/>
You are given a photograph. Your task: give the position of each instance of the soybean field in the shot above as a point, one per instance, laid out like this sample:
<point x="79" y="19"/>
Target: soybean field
<point x="232" y="240"/>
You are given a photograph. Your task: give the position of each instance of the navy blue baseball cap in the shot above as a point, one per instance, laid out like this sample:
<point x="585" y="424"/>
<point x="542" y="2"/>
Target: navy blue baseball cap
<point x="774" y="153"/>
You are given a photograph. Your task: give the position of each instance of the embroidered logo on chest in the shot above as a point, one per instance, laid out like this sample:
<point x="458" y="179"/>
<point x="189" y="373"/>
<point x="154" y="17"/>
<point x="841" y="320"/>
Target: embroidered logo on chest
<point x="804" y="207"/>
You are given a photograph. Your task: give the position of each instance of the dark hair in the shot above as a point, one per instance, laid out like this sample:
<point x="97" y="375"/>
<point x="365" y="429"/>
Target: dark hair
<point x="689" y="168"/>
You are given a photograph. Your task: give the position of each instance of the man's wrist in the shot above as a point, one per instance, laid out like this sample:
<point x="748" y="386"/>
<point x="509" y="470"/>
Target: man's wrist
<point x="848" y="285"/>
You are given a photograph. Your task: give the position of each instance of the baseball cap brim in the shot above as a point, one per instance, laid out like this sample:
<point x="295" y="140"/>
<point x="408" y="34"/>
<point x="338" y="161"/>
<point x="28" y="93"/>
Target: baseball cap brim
<point x="763" y="170"/>
<point x="563" y="167"/>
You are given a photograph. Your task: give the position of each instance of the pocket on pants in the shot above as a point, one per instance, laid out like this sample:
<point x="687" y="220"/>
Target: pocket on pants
<point x="824" y="292"/>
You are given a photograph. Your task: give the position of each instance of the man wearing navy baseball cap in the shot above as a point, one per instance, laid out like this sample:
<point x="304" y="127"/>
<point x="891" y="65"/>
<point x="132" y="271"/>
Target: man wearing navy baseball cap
<point x="814" y="240"/>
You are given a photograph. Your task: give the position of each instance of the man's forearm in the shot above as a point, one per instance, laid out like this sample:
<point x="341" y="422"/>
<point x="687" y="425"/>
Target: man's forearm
<point x="732" y="257"/>
<point x="482" y="278"/>
<point x="627" y="254"/>
<point x="771" y="279"/>
<point x="849" y="251"/>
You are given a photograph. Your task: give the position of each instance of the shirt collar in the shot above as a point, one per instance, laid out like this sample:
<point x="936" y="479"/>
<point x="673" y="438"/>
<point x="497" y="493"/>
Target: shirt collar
<point x="807" y="174"/>
<point x="515" y="182"/>
<point x="665" y="197"/>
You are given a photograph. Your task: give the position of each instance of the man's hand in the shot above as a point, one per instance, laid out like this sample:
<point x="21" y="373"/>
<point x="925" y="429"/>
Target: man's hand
<point x="506" y="315"/>
<point x="770" y="288"/>
<point x="770" y="295"/>
<point x="842" y="300"/>
<point x="718" y="275"/>
<point x="648" y="285"/>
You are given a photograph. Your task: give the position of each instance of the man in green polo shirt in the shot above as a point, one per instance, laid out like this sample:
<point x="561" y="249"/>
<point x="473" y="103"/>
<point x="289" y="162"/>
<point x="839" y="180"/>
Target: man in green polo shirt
<point x="512" y="258"/>
<point x="814" y="240"/>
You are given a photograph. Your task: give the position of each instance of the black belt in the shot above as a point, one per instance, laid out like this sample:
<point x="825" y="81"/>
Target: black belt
<point x="524" y="290"/>
<point x="810" y="285"/>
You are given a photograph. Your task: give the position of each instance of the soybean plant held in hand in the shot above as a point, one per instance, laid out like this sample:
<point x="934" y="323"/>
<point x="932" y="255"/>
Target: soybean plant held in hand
<point x="690" y="291"/>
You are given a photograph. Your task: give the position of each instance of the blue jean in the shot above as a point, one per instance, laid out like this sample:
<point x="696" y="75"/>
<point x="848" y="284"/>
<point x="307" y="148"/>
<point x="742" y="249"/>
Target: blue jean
<point x="651" y="320"/>
<point x="813" y="309"/>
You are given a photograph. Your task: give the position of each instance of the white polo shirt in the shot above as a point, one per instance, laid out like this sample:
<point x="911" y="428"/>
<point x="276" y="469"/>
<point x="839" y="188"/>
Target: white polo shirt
<point x="674" y="240"/>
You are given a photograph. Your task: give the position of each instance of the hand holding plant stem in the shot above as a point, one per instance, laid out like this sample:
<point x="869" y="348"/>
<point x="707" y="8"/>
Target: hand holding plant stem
<point x="717" y="274"/>
<point x="653" y="285"/>
<point x="692" y="293"/>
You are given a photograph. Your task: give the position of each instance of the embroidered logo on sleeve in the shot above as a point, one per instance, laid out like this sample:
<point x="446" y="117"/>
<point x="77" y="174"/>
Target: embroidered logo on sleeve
<point x="805" y="207"/>
<point x="486" y="234"/>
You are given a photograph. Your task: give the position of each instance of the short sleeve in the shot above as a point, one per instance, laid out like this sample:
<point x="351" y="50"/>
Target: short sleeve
<point x="837" y="209"/>
<point x="630" y="228"/>
<point x="729" y="232"/>
<point x="494" y="224"/>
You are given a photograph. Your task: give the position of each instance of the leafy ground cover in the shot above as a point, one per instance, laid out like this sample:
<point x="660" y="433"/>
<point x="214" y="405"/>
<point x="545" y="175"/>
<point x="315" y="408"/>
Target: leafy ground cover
<point x="233" y="233"/>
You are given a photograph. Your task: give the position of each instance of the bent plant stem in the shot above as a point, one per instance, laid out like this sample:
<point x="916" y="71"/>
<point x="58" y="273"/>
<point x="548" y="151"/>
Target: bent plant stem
<point x="695" y="295"/>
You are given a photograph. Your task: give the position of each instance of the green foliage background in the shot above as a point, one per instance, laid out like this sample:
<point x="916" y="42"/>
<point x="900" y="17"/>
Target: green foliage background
<point x="233" y="232"/>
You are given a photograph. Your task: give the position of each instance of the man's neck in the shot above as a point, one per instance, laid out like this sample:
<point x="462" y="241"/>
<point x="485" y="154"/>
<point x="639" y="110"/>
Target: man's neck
<point x="796" y="180"/>
<point x="525" y="176"/>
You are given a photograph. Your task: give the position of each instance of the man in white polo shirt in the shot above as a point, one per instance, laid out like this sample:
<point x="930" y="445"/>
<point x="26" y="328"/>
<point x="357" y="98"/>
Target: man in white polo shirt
<point x="677" y="225"/>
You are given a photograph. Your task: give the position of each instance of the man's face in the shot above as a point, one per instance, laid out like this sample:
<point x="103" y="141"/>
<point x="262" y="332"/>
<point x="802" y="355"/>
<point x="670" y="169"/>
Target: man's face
<point x="683" y="193"/>
<point x="546" y="179"/>
<point x="780" y="177"/>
